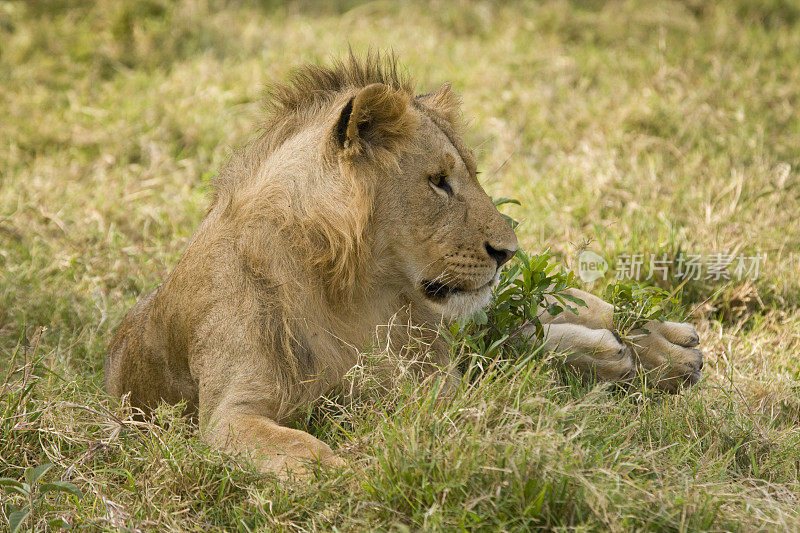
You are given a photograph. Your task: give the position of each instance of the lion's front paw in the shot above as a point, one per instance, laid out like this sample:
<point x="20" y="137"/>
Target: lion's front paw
<point x="301" y="464"/>
<point x="668" y="353"/>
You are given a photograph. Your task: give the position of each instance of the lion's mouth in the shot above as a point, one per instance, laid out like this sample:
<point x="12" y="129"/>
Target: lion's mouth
<point x="440" y="291"/>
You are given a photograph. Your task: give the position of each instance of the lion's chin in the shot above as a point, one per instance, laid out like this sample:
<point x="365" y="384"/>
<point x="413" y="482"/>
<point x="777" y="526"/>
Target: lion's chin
<point x="453" y="304"/>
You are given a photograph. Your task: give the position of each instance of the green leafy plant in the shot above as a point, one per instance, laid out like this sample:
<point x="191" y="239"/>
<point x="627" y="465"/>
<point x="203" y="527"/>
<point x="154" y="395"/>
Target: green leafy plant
<point x="33" y="489"/>
<point x="525" y="287"/>
<point x="635" y="305"/>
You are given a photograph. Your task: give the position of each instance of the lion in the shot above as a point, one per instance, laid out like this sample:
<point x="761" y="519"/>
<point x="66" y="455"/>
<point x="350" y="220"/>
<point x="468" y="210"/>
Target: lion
<point x="357" y="206"/>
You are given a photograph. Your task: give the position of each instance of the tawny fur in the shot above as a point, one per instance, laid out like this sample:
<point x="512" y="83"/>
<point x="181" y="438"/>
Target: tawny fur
<point x="322" y="229"/>
<point x="332" y="222"/>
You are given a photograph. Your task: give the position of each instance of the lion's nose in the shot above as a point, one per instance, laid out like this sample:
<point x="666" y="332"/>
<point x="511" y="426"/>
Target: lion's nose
<point x="501" y="256"/>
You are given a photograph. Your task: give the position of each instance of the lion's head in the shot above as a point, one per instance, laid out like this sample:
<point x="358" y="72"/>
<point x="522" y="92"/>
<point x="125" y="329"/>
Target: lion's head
<point x="373" y="187"/>
<point x="445" y="235"/>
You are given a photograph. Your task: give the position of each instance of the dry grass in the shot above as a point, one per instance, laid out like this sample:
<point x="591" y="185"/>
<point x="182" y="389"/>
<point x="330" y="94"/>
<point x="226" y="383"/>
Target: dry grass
<point x="646" y="128"/>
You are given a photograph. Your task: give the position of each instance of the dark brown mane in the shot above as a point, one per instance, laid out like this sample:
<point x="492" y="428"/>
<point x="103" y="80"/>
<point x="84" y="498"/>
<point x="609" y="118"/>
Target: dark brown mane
<point x="290" y="107"/>
<point x="310" y="88"/>
<point x="314" y="84"/>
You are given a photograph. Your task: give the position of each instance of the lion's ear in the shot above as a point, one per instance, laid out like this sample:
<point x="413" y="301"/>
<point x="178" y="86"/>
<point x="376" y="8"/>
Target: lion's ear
<point x="376" y="117"/>
<point x="443" y="101"/>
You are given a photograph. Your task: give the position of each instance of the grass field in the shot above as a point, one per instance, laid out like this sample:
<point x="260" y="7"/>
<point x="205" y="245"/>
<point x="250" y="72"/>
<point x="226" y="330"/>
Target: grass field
<point x="643" y="127"/>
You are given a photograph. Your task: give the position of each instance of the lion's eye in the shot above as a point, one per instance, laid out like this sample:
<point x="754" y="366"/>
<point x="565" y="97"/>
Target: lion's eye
<point x="439" y="181"/>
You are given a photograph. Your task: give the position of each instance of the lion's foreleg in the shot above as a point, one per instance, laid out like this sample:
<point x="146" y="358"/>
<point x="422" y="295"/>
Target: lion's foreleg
<point x="590" y="351"/>
<point x="276" y="449"/>
<point x="586" y="337"/>
<point x="666" y="351"/>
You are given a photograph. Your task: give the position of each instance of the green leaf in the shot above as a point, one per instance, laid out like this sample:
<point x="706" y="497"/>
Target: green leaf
<point x="17" y="486"/>
<point x="16" y="519"/>
<point x="574" y="299"/>
<point x="62" y="486"/>
<point x="480" y="318"/>
<point x="503" y="200"/>
<point x="32" y="475"/>
<point x="23" y="491"/>
<point x="539" y="500"/>
<point x="496" y="343"/>
<point x="59" y="523"/>
<point x="9" y="482"/>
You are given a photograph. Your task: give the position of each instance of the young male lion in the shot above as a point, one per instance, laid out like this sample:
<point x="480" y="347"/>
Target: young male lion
<point x="357" y="206"/>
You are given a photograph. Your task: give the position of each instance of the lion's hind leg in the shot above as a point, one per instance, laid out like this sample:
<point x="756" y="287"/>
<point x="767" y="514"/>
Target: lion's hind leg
<point x="590" y="351"/>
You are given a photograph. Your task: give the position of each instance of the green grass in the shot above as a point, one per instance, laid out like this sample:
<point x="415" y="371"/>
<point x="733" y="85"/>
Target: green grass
<point x="642" y="127"/>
